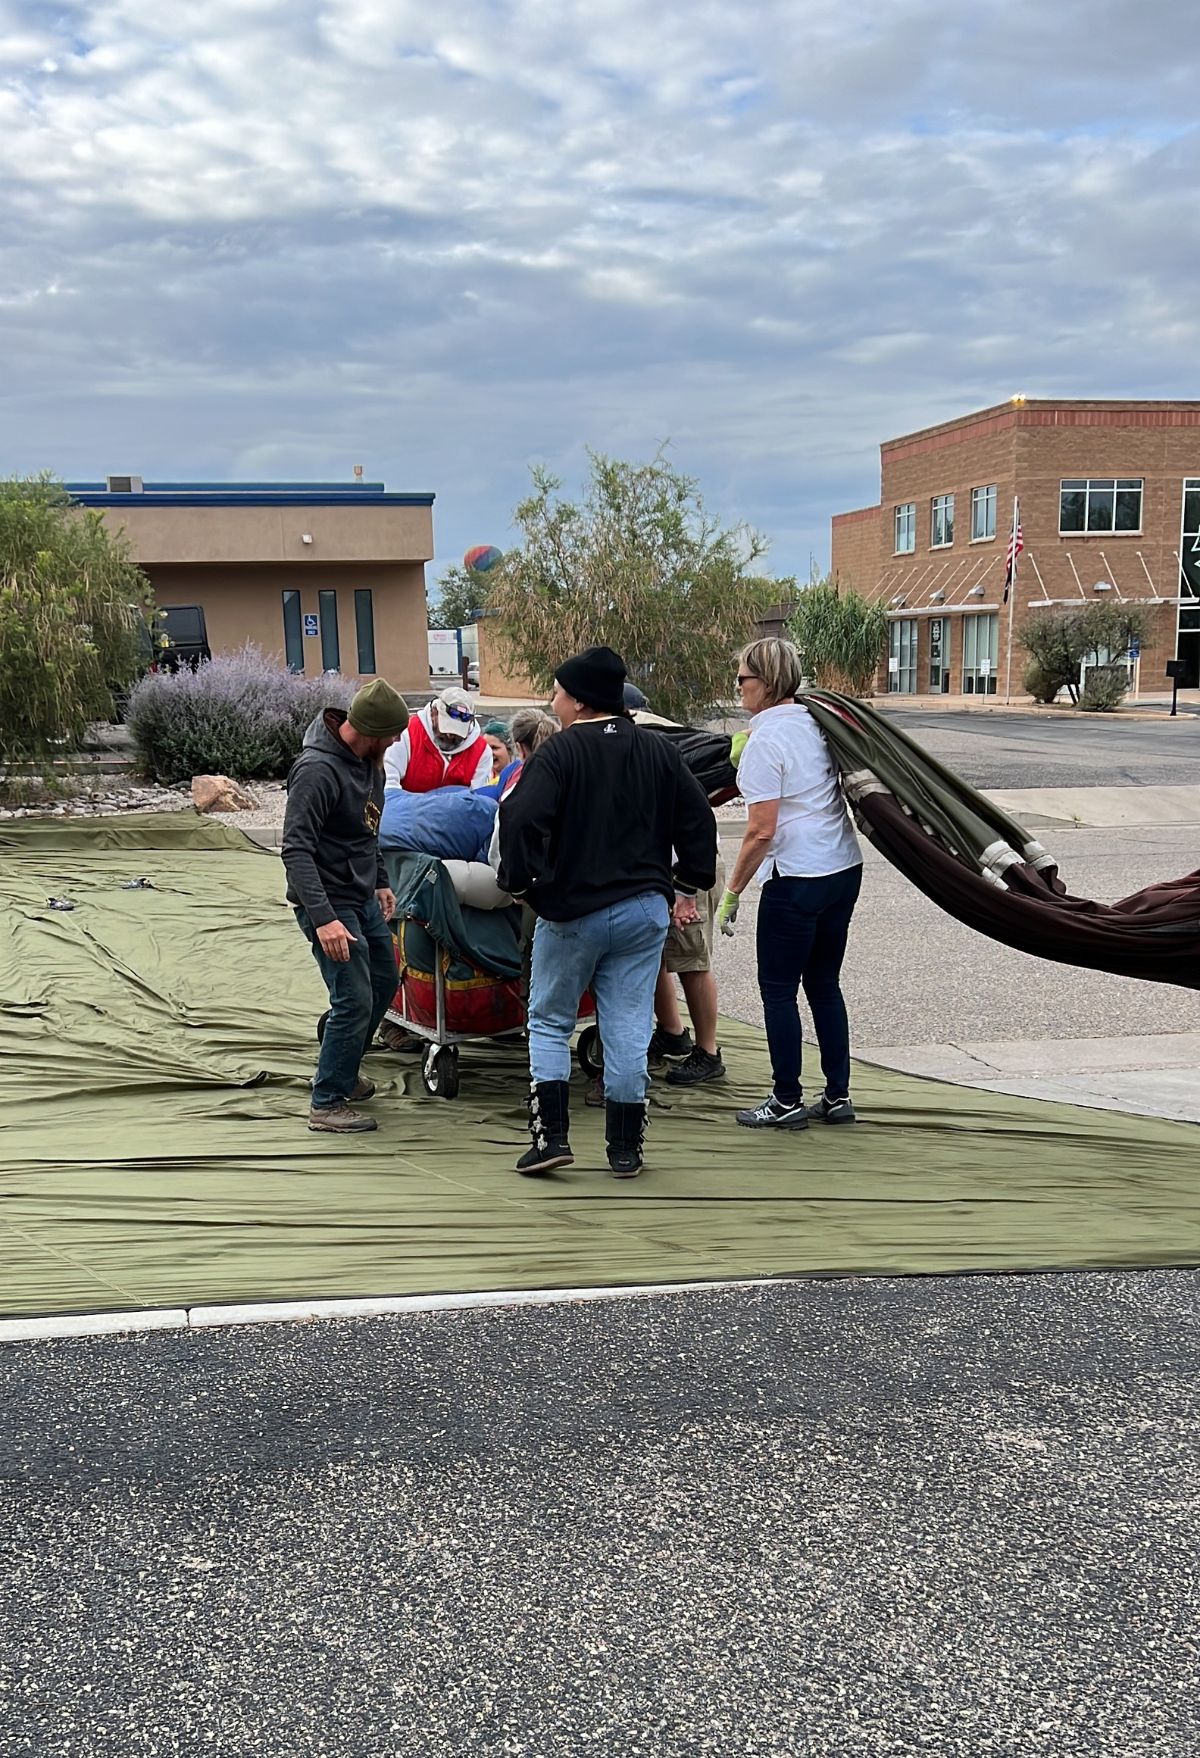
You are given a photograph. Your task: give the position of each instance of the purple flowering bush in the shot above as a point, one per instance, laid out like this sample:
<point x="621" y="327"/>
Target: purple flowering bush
<point x="240" y="715"/>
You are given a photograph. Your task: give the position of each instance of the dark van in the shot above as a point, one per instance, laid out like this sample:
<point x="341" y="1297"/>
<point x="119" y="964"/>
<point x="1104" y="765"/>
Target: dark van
<point x="186" y="636"/>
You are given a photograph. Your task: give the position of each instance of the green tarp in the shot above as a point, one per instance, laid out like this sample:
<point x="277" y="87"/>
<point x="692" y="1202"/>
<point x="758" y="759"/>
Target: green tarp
<point x="154" y="1052"/>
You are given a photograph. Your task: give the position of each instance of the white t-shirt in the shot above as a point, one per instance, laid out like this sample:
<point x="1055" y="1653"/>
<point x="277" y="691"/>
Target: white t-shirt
<point x="786" y="759"/>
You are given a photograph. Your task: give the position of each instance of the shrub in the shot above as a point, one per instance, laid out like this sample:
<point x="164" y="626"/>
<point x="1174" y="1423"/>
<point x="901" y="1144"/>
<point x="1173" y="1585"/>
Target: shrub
<point x="70" y="600"/>
<point x="1105" y="688"/>
<point x="239" y="715"/>
<point x="1041" y="685"/>
<point x="841" y="638"/>
<point x="1059" y="641"/>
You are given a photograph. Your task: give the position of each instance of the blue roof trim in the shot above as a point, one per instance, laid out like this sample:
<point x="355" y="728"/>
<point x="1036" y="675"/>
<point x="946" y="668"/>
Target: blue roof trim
<point x="247" y="494"/>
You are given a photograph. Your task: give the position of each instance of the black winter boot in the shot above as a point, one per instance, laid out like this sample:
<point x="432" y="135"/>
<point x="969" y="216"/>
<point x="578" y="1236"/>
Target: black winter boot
<point x="549" y="1113"/>
<point x="625" y="1130"/>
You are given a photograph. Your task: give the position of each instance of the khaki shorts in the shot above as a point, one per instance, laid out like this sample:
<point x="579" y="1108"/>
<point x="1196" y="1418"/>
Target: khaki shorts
<point x="690" y="949"/>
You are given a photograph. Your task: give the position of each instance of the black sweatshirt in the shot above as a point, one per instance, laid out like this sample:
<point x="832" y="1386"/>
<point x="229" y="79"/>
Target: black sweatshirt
<point x="594" y="818"/>
<point x="331" y="825"/>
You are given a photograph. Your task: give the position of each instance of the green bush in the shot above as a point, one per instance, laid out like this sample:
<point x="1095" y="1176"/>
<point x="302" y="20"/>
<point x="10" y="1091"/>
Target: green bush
<point x="1041" y="685"/>
<point x="239" y="715"/>
<point x="1058" y="641"/>
<point x="841" y="638"/>
<point x="1105" y="689"/>
<point x="70" y="603"/>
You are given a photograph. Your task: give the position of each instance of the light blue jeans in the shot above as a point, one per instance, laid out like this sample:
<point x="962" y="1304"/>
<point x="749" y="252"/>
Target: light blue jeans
<point x="616" y="952"/>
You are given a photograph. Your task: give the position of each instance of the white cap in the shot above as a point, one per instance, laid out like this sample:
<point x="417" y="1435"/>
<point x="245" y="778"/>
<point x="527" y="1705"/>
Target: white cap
<point x="451" y="724"/>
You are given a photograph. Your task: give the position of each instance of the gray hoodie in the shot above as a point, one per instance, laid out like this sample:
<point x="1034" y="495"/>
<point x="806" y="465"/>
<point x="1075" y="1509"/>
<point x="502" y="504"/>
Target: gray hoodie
<point x="331" y="826"/>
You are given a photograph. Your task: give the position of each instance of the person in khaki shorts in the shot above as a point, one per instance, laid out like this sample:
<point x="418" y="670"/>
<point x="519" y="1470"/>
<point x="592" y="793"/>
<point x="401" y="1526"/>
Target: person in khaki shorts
<point x="688" y="956"/>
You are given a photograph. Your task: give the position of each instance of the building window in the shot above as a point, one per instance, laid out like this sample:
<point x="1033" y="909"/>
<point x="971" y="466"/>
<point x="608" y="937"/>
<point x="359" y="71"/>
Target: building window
<point x="364" y="627"/>
<point x="981" y="649"/>
<point x="906" y="528"/>
<point x="331" y="647"/>
<point x="902" y="656"/>
<point x="1100" y="503"/>
<point x="941" y="524"/>
<point x="983" y="513"/>
<point x="293" y="632"/>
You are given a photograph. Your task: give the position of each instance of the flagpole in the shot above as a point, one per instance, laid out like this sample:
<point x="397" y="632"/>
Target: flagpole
<point x="1012" y="602"/>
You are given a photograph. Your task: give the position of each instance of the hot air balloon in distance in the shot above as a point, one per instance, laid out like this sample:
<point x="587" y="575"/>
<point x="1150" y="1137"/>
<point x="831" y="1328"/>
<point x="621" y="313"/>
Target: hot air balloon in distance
<point x="482" y="557"/>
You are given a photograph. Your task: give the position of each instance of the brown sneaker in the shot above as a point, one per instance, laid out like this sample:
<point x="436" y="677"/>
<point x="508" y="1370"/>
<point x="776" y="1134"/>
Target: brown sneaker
<point x="595" y="1093"/>
<point x="363" y="1089"/>
<point x="340" y="1120"/>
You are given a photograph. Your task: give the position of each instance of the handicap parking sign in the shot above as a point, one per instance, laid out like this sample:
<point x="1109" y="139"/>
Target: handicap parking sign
<point x="311" y="625"/>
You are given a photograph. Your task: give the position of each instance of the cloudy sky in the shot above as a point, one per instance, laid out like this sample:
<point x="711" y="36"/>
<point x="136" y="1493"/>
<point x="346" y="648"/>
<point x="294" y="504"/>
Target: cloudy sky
<point x="246" y="239"/>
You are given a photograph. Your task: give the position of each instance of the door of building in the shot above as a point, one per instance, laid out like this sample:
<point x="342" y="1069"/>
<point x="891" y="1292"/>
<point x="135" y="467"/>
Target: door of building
<point x="1187" y="646"/>
<point x="939" y="656"/>
<point x="902" y="656"/>
<point x="981" y="650"/>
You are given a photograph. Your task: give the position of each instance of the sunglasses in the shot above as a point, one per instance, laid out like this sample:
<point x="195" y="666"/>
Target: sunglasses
<point x="457" y="713"/>
<point x="748" y="677"/>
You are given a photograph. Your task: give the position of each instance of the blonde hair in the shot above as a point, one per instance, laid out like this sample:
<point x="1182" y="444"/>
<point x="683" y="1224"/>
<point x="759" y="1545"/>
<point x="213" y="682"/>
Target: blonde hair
<point x="776" y="663"/>
<point x="531" y="727"/>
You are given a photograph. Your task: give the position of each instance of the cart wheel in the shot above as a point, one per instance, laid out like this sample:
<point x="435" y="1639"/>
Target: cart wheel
<point x="590" y="1052"/>
<point x="439" y="1071"/>
<point x="321" y="1024"/>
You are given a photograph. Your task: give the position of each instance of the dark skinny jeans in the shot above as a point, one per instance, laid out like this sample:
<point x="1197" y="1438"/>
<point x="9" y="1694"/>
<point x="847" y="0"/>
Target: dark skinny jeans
<point x="802" y="929"/>
<point x="360" y="993"/>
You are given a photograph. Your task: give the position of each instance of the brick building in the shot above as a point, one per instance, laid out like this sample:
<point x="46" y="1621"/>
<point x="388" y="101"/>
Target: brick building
<point x="324" y="575"/>
<point x="1109" y="497"/>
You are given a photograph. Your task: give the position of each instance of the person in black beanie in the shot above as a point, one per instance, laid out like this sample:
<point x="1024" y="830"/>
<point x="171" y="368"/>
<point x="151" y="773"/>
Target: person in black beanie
<point x="586" y="841"/>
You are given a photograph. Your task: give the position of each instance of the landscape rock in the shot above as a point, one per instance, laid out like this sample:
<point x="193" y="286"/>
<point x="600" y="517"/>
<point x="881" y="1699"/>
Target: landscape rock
<point x="218" y="793"/>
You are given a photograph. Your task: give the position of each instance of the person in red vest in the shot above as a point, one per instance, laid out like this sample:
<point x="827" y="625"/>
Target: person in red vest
<point x="442" y="746"/>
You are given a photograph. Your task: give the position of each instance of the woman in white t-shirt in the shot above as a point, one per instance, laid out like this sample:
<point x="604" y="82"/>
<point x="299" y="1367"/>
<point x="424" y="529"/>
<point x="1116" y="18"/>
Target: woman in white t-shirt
<point x="801" y="844"/>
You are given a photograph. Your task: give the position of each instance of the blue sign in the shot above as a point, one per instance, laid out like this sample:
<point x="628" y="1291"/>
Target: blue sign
<point x="1135" y="648"/>
<point x="311" y="625"/>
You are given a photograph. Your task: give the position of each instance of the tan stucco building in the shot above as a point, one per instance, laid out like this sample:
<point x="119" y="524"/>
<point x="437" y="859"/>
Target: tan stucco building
<point x="324" y="575"/>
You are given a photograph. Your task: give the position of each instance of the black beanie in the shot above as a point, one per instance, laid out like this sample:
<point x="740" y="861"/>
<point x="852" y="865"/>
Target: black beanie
<point x="595" y="677"/>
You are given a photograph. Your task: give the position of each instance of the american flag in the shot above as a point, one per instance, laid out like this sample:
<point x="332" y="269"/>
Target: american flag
<point x="1016" y="544"/>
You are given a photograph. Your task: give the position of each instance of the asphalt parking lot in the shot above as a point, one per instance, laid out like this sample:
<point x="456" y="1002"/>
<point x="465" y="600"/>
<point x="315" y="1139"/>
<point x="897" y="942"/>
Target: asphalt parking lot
<point x="853" y="1519"/>
<point x="991" y="748"/>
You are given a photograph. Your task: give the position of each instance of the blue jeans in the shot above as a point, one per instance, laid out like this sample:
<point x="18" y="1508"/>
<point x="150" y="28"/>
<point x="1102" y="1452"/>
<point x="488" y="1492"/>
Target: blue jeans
<point x="360" y="993"/>
<point x="616" y="953"/>
<point x="802" y="929"/>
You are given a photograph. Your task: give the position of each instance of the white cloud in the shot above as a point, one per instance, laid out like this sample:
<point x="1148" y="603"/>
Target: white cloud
<point x="448" y="241"/>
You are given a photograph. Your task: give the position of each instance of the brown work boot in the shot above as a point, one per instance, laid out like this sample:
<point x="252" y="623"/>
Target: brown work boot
<point x="340" y="1120"/>
<point x="363" y="1089"/>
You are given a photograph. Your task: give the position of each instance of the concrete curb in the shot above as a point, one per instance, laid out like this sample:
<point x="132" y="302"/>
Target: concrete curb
<point x="207" y="1318"/>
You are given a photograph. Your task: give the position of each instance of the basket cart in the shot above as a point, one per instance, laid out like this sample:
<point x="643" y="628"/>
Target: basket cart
<point x="424" y="1006"/>
<point x="445" y="1012"/>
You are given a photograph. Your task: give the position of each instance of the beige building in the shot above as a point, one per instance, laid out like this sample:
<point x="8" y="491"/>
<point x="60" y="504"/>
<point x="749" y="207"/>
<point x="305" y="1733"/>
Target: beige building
<point x="1109" y="504"/>
<point x="324" y="575"/>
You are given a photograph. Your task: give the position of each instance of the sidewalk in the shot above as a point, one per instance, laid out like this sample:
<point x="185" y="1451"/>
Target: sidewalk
<point x="1153" y="1076"/>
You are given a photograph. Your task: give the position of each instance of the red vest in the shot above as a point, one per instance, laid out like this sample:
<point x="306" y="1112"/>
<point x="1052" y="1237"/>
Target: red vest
<point x="427" y="769"/>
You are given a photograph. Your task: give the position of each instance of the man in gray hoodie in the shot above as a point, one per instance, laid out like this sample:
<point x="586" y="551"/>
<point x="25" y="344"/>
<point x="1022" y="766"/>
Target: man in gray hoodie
<point x="338" y="885"/>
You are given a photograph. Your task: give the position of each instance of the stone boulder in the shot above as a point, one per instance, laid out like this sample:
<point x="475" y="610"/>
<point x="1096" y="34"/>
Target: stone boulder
<point x="218" y="793"/>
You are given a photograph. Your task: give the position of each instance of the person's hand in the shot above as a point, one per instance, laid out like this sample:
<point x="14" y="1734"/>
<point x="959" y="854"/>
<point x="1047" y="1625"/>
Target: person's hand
<point x="727" y="912"/>
<point x="336" y="942"/>
<point x="685" y="911"/>
<point x="387" y="901"/>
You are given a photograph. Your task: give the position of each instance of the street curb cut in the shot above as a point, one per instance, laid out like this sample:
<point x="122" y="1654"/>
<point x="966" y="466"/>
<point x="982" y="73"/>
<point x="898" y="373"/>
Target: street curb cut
<point x="207" y="1318"/>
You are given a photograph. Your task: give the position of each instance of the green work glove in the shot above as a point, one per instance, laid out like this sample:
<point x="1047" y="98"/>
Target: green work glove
<point x="727" y="912"/>
<point x="737" y="745"/>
